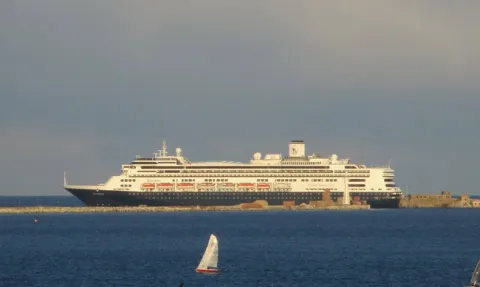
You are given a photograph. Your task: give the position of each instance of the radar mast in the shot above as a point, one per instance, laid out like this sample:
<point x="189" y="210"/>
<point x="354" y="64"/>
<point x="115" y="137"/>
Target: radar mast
<point x="164" y="148"/>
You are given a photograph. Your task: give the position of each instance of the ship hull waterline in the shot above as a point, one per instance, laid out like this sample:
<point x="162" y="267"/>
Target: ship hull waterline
<point x="213" y="198"/>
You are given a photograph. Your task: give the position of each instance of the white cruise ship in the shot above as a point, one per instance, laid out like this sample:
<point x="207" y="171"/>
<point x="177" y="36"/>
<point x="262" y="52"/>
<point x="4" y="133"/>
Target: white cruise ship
<point x="173" y="180"/>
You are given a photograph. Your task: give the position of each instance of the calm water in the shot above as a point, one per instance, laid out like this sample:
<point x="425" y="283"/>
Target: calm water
<point x="40" y="201"/>
<point x="321" y="248"/>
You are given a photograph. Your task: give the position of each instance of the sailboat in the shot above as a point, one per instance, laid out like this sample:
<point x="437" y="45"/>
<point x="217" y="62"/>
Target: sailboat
<point x="475" y="281"/>
<point x="209" y="262"/>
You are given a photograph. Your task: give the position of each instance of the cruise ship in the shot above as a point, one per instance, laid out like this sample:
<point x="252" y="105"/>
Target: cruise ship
<point x="173" y="180"/>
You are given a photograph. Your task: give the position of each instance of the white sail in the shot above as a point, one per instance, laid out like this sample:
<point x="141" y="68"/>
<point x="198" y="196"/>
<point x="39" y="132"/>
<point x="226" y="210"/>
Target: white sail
<point x="475" y="281"/>
<point x="210" y="257"/>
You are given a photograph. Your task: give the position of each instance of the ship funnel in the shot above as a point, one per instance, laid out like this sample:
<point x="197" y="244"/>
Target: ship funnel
<point x="296" y="149"/>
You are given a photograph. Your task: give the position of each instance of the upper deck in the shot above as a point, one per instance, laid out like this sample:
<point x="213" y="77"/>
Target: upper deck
<point x="296" y="159"/>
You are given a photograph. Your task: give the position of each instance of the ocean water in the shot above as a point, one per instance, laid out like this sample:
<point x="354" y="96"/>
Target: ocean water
<point x="416" y="247"/>
<point x="67" y="200"/>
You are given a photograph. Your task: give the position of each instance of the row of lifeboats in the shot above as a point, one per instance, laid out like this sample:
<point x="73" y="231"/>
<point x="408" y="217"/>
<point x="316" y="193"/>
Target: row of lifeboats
<point x="206" y="185"/>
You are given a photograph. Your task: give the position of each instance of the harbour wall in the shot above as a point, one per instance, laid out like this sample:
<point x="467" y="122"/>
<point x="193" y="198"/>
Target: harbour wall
<point x="325" y="204"/>
<point x="111" y="209"/>
<point x="442" y="200"/>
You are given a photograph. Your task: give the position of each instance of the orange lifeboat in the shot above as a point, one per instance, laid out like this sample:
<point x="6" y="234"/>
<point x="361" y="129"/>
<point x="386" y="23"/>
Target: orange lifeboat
<point x="246" y="185"/>
<point x="185" y="186"/>
<point x="263" y="186"/>
<point x="148" y="186"/>
<point x="164" y="185"/>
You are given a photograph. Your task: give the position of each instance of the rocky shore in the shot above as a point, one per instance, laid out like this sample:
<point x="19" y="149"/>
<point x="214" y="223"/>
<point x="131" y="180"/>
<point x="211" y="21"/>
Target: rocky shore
<point x="111" y="209"/>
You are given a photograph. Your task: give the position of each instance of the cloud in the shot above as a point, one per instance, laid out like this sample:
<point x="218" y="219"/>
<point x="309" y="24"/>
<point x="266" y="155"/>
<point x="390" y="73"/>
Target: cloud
<point x="384" y="45"/>
<point x="88" y="85"/>
<point x="337" y="48"/>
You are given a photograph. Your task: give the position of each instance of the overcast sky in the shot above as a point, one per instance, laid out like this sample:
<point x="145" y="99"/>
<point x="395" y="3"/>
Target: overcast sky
<point x="87" y="85"/>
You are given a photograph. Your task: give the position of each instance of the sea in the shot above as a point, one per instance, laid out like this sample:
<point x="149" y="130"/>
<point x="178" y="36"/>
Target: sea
<point x="384" y="247"/>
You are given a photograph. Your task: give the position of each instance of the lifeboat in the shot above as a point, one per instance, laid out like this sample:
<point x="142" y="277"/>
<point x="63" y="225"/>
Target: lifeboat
<point x="164" y="185"/>
<point x="185" y="185"/>
<point x="148" y="186"/>
<point x="246" y="185"/>
<point x="206" y="184"/>
<point x="226" y="184"/>
<point x="263" y="186"/>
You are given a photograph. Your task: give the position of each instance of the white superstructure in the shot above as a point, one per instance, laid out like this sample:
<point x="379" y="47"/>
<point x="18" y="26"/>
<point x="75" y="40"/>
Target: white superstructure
<point x="297" y="172"/>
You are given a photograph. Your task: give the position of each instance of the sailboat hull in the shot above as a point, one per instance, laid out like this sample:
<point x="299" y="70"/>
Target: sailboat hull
<point x="207" y="270"/>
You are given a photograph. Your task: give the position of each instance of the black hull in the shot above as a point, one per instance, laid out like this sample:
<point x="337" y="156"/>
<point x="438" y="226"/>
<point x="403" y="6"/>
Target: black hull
<point x="384" y="203"/>
<point x="213" y="198"/>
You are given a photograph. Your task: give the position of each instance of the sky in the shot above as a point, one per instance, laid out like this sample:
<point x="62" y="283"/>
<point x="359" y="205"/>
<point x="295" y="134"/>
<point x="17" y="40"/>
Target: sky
<point x="87" y="85"/>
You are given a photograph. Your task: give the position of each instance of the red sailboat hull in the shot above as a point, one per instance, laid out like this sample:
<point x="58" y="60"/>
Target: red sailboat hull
<point x="207" y="270"/>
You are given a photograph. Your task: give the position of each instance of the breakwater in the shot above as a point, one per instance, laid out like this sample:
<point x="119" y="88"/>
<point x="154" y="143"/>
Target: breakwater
<point x="442" y="200"/>
<point x="111" y="209"/>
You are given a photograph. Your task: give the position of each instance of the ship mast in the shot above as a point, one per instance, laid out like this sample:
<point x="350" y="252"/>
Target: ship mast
<point x="164" y="148"/>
